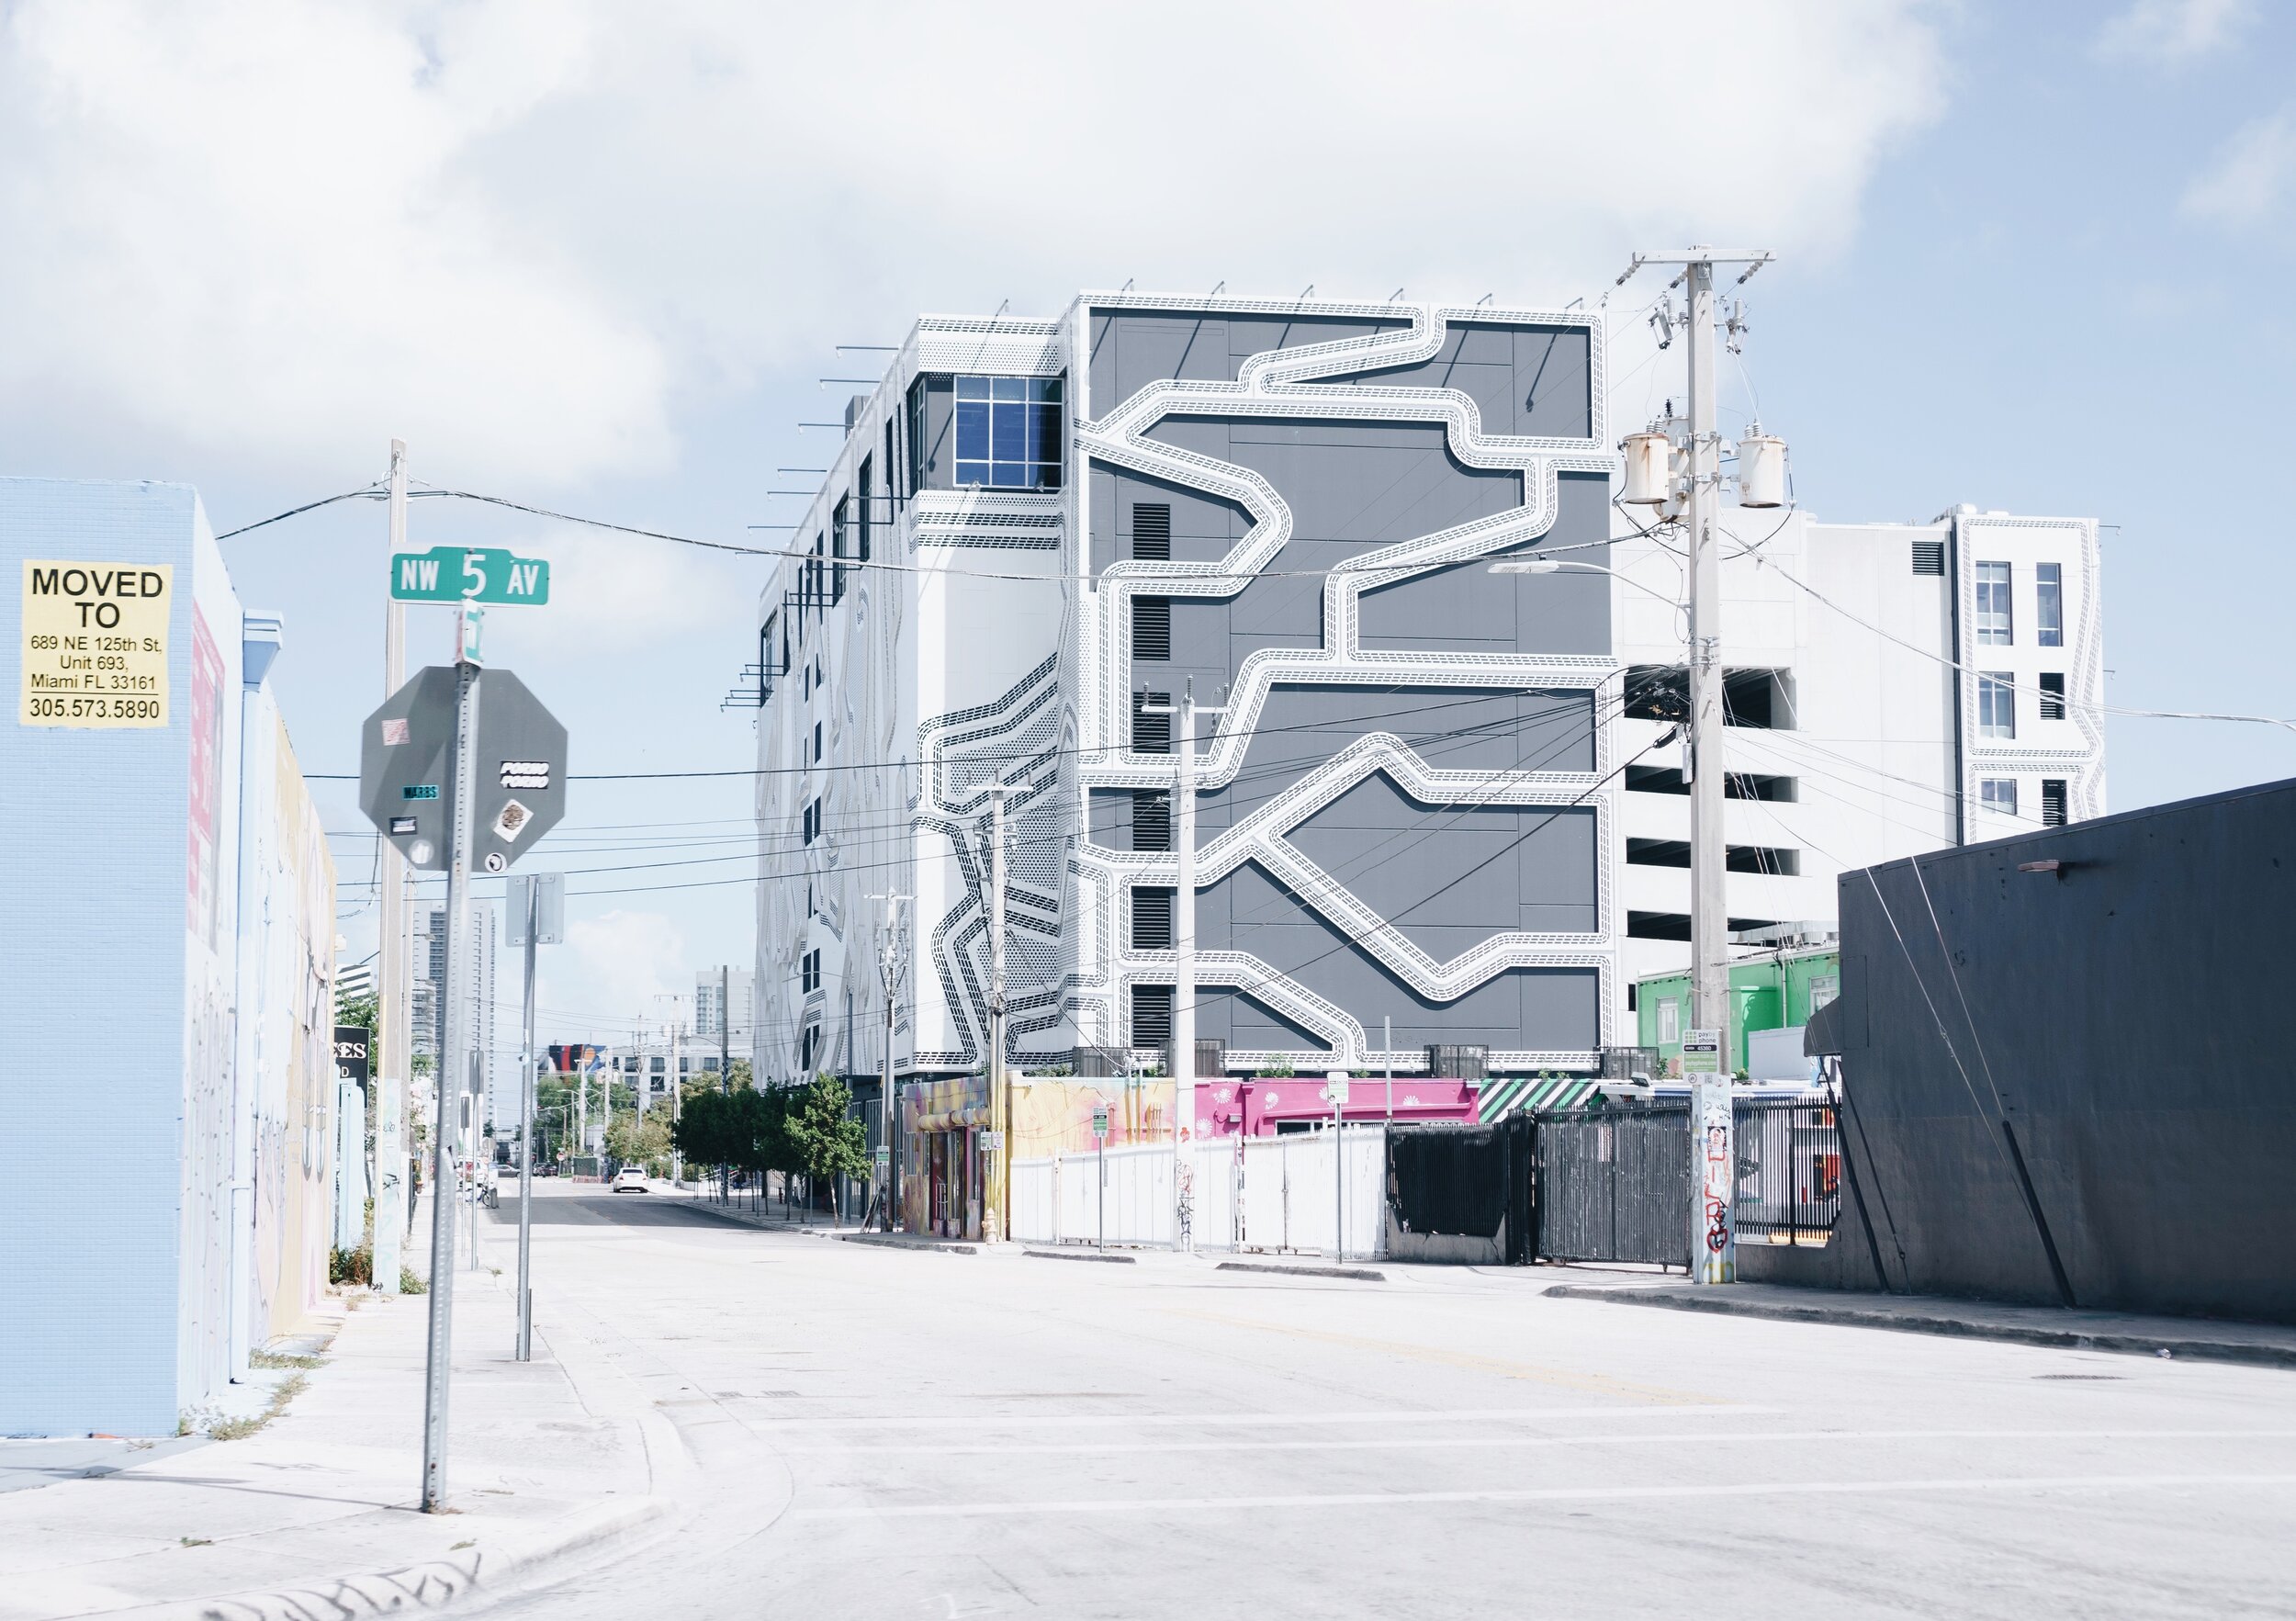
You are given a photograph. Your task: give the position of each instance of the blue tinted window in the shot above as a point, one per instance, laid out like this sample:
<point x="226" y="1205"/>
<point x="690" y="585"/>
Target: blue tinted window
<point x="1008" y="433"/>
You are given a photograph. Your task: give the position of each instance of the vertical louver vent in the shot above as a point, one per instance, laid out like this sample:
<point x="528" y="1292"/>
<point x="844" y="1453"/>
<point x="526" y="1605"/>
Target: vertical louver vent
<point x="1152" y="628"/>
<point x="2053" y="802"/>
<point x="1152" y="734"/>
<point x="1151" y="1015"/>
<point x="1152" y="532"/>
<point x="1152" y="820"/>
<point x="1151" y="919"/>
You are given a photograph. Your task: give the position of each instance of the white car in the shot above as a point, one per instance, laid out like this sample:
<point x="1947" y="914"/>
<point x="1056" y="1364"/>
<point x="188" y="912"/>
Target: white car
<point x="629" y="1179"/>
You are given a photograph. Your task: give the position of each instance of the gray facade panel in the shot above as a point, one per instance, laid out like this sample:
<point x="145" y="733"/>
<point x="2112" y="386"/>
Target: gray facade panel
<point x="1458" y="729"/>
<point x="1525" y="380"/>
<point x="1132" y="349"/>
<point x="1204" y="527"/>
<point x="1468" y="609"/>
<point x="1248" y="911"/>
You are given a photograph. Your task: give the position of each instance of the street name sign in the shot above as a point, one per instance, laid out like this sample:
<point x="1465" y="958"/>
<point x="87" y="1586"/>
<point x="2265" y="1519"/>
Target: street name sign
<point x="469" y="574"/>
<point x="407" y="770"/>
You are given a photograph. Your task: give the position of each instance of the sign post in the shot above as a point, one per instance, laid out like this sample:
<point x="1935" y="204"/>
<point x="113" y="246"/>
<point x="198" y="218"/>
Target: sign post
<point x="1336" y="1094"/>
<point x="535" y="906"/>
<point x="1714" y="1160"/>
<point x="462" y="771"/>
<point x="1100" y="1159"/>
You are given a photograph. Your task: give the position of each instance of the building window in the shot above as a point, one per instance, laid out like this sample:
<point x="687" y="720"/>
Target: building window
<point x="1152" y="532"/>
<point x="1008" y="433"/>
<point x="917" y="435"/>
<point x="1152" y="820"/>
<point x="1996" y="705"/>
<point x="817" y="742"/>
<point x="840" y="537"/>
<point x="2053" y="802"/>
<point x="1994" y="627"/>
<point x="1669" y="1021"/>
<point x="1998" y="795"/>
<point x="2053" y="696"/>
<point x="2049" y="603"/>
<point x="863" y="489"/>
<point x="812" y="820"/>
<point x="1928" y="556"/>
<point x="809" y="974"/>
<point x="1152" y="628"/>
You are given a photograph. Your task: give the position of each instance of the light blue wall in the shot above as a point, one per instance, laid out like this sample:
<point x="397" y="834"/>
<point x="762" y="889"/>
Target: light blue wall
<point x="93" y="969"/>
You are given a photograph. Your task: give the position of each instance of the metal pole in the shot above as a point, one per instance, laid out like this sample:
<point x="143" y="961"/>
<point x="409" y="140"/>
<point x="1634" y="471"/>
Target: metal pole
<point x="1387" y="1046"/>
<point x="1183" y="975"/>
<point x="526" y="1144"/>
<point x="888" y="1109"/>
<point x="458" y="1034"/>
<point x="393" y="1029"/>
<point x="996" y="1101"/>
<point x="725" y="1056"/>
<point x="1714" y="1153"/>
<point x="1339" y="1181"/>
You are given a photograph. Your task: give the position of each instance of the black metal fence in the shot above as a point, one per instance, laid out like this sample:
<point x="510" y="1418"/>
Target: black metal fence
<point x="1789" y="1170"/>
<point x="1614" y="1185"/>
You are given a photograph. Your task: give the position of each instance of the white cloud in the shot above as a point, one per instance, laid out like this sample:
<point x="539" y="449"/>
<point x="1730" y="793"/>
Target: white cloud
<point x="2251" y="176"/>
<point x="2172" y="29"/>
<point x="532" y="234"/>
<point x="603" y="983"/>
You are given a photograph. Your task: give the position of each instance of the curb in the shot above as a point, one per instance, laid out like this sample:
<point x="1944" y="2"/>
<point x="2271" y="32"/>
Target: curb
<point x="1360" y="1274"/>
<point x="429" y="1586"/>
<point x="2069" y="1339"/>
<point x="1081" y="1255"/>
<point x="899" y="1242"/>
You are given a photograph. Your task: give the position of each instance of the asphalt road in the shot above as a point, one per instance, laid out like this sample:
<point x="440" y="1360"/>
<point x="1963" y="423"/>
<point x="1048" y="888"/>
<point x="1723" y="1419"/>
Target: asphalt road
<point x="866" y="1432"/>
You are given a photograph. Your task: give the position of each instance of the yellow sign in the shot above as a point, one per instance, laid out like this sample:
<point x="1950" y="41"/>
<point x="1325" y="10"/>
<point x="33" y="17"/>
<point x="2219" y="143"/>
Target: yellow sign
<point x="95" y="644"/>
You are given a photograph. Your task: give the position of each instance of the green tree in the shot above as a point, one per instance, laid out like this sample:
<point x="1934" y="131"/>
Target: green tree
<point x="640" y="1140"/>
<point x="822" y="1140"/>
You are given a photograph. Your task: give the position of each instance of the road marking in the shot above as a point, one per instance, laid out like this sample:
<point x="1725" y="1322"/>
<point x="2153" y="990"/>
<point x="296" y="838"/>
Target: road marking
<point x="1594" y="1383"/>
<point x="941" y="1418"/>
<point x="1475" y="1442"/>
<point x="1325" y="1500"/>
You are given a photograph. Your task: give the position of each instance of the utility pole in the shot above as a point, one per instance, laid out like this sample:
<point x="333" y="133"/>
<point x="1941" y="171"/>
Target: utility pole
<point x="1184" y="944"/>
<point x="726" y="1058"/>
<point x="1715" y="1150"/>
<point x="999" y="1103"/>
<point x="392" y="1072"/>
<point x="451" y="1066"/>
<point x="888" y="1111"/>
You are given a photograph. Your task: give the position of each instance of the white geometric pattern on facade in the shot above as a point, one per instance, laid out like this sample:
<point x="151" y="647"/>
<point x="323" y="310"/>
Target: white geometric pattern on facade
<point x="1282" y="383"/>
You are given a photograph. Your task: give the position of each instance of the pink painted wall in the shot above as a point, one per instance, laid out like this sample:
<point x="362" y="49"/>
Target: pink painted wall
<point x="1256" y="1108"/>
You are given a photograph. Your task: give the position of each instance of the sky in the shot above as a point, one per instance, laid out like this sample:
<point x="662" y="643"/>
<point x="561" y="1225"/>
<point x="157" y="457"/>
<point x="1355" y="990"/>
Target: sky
<point x="598" y="257"/>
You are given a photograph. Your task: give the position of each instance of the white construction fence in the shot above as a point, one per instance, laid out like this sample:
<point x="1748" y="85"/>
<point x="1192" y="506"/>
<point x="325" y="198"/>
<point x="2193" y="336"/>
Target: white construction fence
<point x="1276" y="1194"/>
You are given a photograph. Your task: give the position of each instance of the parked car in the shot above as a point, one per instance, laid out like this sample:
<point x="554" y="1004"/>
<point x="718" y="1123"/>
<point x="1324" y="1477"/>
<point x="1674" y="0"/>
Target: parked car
<point x="629" y="1179"/>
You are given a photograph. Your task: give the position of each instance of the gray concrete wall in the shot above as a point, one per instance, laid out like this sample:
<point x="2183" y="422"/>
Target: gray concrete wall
<point x="2125" y="1016"/>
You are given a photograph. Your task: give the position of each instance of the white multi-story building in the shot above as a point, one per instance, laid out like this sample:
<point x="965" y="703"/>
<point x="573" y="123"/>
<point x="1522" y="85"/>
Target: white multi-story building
<point x="1435" y="810"/>
<point x="1892" y="688"/>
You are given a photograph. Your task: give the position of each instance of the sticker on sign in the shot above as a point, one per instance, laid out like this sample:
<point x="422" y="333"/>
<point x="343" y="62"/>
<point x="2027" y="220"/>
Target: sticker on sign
<point x="526" y="773"/>
<point x="395" y="732"/>
<point x="512" y="822"/>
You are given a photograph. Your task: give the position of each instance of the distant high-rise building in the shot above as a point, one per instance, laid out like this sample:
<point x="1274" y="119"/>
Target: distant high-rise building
<point x="713" y="990"/>
<point x="353" y="982"/>
<point x="430" y="1006"/>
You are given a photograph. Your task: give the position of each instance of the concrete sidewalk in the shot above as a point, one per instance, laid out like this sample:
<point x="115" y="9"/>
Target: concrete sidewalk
<point x="315" y="1513"/>
<point x="2198" y="1338"/>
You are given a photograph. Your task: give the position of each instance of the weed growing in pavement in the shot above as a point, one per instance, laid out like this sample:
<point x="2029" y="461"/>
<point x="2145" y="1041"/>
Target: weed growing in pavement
<point x="281" y="1360"/>
<point x="239" y="1429"/>
<point x="408" y="1284"/>
<point x="195" y="1541"/>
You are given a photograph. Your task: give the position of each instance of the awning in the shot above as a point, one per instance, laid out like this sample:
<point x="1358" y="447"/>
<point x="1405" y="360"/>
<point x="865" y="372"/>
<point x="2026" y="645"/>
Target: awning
<point x="1523" y="1094"/>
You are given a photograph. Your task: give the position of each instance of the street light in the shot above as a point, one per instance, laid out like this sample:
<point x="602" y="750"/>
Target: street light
<point x="1550" y="565"/>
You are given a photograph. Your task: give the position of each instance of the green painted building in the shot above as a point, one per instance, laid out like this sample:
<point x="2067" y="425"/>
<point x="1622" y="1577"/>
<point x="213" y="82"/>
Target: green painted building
<point x="1774" y="992"/>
